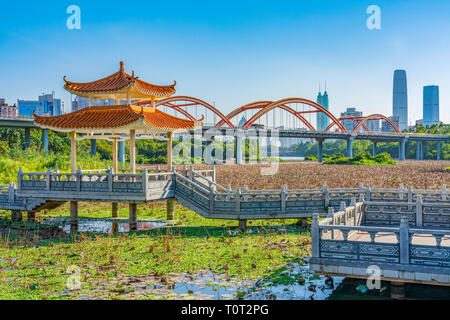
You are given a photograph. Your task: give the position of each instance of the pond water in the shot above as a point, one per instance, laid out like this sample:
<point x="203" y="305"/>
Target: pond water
<point x="103" y="225"/>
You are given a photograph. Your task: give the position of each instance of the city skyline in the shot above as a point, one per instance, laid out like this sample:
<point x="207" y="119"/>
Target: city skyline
<point x="212" y="50"/>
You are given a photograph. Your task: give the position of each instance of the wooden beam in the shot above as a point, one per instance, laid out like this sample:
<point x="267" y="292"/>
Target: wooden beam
<point x="133" y="151"/>
<point x="115" y="164"/>
<point x="73" y="151"/>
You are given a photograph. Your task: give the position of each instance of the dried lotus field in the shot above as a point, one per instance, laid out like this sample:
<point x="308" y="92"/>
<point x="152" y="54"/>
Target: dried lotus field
<point x="303" y="175"/>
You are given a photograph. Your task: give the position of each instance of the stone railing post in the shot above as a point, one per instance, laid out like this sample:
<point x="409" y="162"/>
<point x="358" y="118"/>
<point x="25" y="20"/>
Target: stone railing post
<point x="353" y="204"/>
<point x="211" y="199"/>
<point x="228" y="196"/>
<point x="331" y="216"/>
<point x="315" y="236"/>
<point x="404" y="240"/>
<point x="184" y="170"/>
<point x="213" y="173"/>
<point x="19" y="178"/>
<point x="144" y="181"/>
<point x="410" y="194"/>
<point x="245" y="193"/>
<point x="326" y="195"/>
<point x="238" y="200"/>
<point x="419" y="211"/>
<point x="401" y="195"/>
<point x="110" y="179"/>
<point x="78" y="178"/>
<point x="444" y="193"/>
<point x="283" y="196"/>
<point x="11" y="193"/>
<point x="368" y="193"/>
<point x="191" y="173"/>
<point x="48" y="177"/>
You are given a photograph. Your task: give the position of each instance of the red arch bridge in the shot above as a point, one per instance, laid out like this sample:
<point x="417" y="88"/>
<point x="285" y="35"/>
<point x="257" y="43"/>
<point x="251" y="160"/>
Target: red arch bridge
<point x="290" y="118"/>
<point x="285" y="118"/>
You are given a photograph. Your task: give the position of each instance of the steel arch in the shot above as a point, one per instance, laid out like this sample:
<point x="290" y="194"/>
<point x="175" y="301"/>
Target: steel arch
<point x="278" y="103"/>
<point x="375" y="116"/>
<point x="194" y="101"/>
<point x="262" y="105"/>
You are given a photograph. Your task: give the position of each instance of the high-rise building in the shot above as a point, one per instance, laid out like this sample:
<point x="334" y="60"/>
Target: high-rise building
<point x="430" y="105"/>
<point x="351" y="124"/>
<point x="386" y="126"/>
<point x="322" y="119"/>
<point x="47" y="105"/>
<point x="7" y="111"/>
<point x="400" y="99"/>
<point x="81" y="102"/>
<point x="373" y="125"/>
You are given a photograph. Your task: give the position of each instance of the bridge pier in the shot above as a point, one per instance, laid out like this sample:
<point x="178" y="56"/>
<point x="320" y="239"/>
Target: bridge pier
<point x="115" y="210"/>
<point x="170" y="209"/>
<point x="133" y="216"/>
<point x="438" y="153"/>
<point x="319" y="150"/>
<point x="73" y="216"/>
<point x="93" y="147"/>
<point x="242" y="225"/>
<point x="27" y="138"/>
<point x="374" y="149"/>
<point x="402" y="149"/>
<point x="16" y="216"/>
<point x="349" y="148"/>
<point x="45" y="140"/>
<point x="419" y="151"/>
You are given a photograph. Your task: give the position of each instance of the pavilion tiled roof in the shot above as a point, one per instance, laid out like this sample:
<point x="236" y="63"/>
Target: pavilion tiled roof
<point x="112" y="118"/>
<point x="119" y="82"/>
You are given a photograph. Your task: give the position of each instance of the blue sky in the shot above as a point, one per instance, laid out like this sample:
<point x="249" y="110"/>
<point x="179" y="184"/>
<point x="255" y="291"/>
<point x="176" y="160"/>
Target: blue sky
<point x="233" y="52"/>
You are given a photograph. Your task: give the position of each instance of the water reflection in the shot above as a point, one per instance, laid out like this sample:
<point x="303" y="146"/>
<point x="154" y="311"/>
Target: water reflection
<point x="102" y="225"/>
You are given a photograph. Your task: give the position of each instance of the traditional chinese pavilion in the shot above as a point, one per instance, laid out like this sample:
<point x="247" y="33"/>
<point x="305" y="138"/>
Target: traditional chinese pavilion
<point x="121" y="121"/>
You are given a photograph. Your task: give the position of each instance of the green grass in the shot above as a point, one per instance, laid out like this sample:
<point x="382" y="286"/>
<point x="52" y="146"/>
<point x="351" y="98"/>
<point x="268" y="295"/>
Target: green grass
<point x="35" y="268"/>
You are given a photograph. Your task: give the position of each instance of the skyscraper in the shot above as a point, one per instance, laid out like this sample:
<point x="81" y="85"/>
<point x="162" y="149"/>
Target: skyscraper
<point x="430" y="105"/>
<point x="400" y="99"/>
<point x="348" y="123"/>
<point x="322" y="119"/>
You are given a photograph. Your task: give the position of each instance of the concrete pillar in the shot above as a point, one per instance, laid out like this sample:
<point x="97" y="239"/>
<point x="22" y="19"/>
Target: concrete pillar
<point x="374" y="149"/>
<point x="239" y="149"/>
<point x="114" y="156"/>
<point x="45" y="140"/>
<point x="133" y="216"/>
<point x="73" y="151"/>
<point x="169" y="151"/>
<point x="320" y="150"/>
<point x="419" y="151"/>
<point x="121" y="151"/>
<point x="27" y="138"/>
<point x="170" y="209"/>
<point x="115" y="210"/>
<point x="242" y="225"/>
<point x="93" y="147"/>
<point x="402" y="150"/>
<point x="350" y="148"/>
<point x="133" y="151"/>
<point x="73" y="216"/>
<point x="438" y="153"/>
